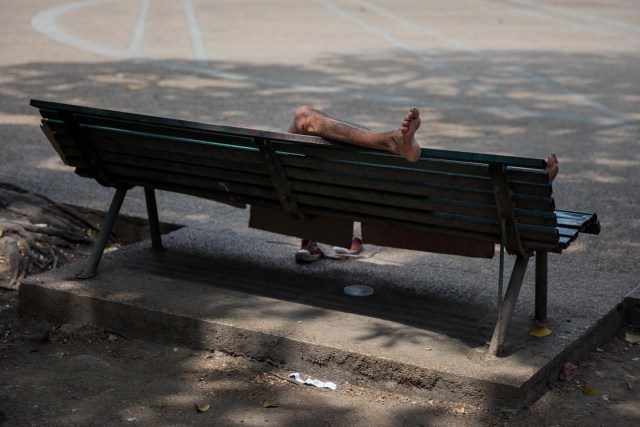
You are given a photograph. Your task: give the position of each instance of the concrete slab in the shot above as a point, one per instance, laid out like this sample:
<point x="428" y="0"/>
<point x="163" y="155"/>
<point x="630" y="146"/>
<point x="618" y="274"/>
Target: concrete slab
<point x="205" y="295"/>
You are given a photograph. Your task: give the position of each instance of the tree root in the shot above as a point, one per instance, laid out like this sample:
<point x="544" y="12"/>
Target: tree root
<point x="35" y="232"/>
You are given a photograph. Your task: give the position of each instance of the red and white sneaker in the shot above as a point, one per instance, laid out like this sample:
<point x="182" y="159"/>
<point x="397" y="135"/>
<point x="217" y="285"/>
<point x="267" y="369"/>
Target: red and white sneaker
<point x="355" y="249"/>
<point x="308" y="252"/>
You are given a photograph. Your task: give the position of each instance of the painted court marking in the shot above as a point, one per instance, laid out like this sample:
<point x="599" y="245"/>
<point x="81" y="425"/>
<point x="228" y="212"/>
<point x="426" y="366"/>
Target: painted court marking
<point x="46" y="23"/>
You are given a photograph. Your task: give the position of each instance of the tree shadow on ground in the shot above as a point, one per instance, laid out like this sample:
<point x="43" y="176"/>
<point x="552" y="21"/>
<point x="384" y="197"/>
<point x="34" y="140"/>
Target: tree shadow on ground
<point x="596" y="143"/>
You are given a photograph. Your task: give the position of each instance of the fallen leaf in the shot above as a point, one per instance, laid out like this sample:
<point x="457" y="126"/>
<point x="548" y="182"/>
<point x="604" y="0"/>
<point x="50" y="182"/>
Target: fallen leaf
<point x="542" y="331"/>
<point x="631" y="338"/>
<point x="135" y="87"/>
<point x="201" y="408"/>
<point x="0" y="232"/>
<point x="459" y="410"/>
<point x="586" y="389"/>
<point x="89" y="232"/>
<point x="40" y="225"/>
<point x="267" y="403"/>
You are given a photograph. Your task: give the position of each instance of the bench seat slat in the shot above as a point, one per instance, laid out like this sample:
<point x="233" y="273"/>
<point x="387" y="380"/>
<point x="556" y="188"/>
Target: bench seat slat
<point x="582" y="221"/>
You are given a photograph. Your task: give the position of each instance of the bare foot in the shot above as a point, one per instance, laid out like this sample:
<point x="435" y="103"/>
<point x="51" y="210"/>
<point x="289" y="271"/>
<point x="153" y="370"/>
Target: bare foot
<point x="552" y="166"/>
<point x="405" y="141"/>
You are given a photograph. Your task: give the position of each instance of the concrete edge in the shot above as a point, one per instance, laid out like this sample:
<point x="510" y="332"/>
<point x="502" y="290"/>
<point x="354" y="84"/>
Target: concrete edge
<point x="632" y="306"/>
<point x="603" y="331"/>
<point x="59" y="306"/>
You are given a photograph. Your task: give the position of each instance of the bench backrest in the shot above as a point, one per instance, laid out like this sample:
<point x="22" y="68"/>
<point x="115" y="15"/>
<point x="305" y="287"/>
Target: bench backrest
<point x="445" y="192"/>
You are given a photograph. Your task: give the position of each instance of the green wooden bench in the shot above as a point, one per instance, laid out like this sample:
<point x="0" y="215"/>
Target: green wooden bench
<point x="447" y="202"/>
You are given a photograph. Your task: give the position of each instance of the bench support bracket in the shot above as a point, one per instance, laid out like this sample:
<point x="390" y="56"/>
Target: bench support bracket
<point x="154" y="222"/>
<point x="279" y="179"/>
<point x="508" y="305"/>
<point x="105" y="231"/>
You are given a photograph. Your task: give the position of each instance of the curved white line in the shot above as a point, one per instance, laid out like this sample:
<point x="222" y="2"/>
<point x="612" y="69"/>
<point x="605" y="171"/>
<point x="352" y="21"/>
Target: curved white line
<point x="138" y="32"/>
<point x="197" y="41"/>
<point x="45" y="23"/>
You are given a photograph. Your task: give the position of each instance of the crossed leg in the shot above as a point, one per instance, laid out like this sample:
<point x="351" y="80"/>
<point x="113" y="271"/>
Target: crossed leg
<point x="308" y="121"/>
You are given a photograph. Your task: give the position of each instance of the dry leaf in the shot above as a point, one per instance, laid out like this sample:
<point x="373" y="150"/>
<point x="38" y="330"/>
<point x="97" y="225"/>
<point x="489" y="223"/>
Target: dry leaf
<point x="542" y="331"/>
<point x="588" y="390"/>
<point x="201" y="408"/>
<point x="40" y="225"/>
<point x="135" y="87"/>
<point x="89" y="233"/>
<point x="0" y="232"/>
<point x="267" y="403"/>
<point x="459" y="410"/>
<point x="631" y="338"/>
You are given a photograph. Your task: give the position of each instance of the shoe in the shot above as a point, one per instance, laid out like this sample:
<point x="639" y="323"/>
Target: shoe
<point x="356" y="247"/>
<point x="309" y="252"/>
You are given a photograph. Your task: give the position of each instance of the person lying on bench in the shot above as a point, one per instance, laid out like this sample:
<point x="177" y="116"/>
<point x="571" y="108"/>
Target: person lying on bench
<point x="401" y="141"/>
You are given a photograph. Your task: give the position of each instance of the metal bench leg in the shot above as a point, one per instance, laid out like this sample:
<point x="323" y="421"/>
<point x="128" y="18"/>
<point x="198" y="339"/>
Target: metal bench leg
<point x="541" y="285"/>
<point x="105" y="230"/>
<point x="508" y="305"/>
<point x="154" y="222"/>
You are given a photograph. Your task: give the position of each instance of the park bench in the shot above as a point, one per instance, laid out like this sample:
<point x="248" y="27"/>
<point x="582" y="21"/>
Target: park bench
<point x="447" y="202"/>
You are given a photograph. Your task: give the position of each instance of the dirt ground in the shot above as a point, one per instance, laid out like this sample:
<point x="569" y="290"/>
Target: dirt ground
<point x="79" y="375"/>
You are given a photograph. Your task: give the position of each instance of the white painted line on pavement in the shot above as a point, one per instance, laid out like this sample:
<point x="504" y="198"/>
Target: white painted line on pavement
<point x="565" y="22"/>
<point x="465" y="81"/>
<point x="138" y="32"/>
<point x="571" y="13"/>
<point x="45" y="23"/>
<point x="578" y="99"/>
<point x="197" y="41"/>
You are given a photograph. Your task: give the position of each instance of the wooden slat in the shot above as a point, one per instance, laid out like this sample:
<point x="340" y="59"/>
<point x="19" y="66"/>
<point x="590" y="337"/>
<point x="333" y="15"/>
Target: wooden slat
<point x="209" y="172"/>
<point x="166" y="132"/>
<point x="459" y="156"/>
<point x="372" y="171"/>
<point x="417" y="189"/>
<point x="357" y="209"/>
<point x="207" y="193"/>
<point x="394" y="200"/>
<point x="122" y="141"/>
<point x="356" y="156"/>
<point x="367" y="217"/>
<point x="122" y="174"/>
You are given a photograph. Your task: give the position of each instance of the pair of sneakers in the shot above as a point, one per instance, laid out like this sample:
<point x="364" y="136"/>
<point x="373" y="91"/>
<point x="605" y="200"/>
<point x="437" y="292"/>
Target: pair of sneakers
<point x="310" y="251"/>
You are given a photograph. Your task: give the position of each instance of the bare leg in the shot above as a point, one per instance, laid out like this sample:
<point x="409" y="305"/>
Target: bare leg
<point x="308" y="121"/>
<point x="552" y="167"/>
